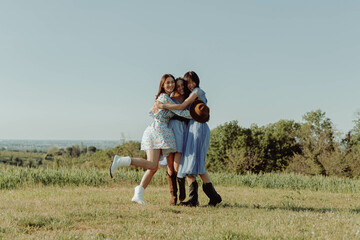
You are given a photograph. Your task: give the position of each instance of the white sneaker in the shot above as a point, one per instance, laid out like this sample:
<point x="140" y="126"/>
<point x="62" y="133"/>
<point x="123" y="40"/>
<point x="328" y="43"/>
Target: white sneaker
<point x="138" y="195"/>
<point x="119" y="162"/>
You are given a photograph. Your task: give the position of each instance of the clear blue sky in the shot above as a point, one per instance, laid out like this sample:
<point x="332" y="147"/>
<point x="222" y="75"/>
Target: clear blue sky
<point x="90" y="69"/>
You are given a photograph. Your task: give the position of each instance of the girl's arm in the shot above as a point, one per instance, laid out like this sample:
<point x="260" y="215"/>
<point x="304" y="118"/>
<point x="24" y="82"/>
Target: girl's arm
<point x="181" y="106"/>
<point x="165" y="99"/>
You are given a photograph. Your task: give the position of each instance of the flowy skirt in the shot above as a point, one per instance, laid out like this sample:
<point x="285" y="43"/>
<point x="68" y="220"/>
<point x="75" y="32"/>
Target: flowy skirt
<point x="179" y="129"/>
<point x="196" y="144"/>
<point x="159" y="138"/>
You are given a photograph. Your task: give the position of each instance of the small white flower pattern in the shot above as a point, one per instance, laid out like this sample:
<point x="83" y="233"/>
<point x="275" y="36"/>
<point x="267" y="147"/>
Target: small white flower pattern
<point x="158" y="135"/>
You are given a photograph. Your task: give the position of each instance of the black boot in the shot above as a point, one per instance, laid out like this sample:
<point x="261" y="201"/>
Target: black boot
<point x="210" y="191"/>
<point x="193" y="196"/>
<point x="182" y="191"/>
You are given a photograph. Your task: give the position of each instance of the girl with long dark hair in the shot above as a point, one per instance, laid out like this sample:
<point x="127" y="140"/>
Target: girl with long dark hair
<point x="178" y="125"/>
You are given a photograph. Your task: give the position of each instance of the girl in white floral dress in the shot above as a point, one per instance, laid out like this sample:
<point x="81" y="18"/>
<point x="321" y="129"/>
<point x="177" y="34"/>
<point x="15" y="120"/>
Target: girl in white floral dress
<point x="158" y="139"/>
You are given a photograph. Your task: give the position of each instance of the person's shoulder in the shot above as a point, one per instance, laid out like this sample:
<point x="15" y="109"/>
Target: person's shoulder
<point x="198" y="91"/>
<point x="163" y="97"/>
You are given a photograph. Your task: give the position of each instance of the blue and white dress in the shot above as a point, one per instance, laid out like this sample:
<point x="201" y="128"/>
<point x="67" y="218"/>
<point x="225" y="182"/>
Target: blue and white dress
<point x="158" y="135"/>
<point x="179" y="129"/>
<point x="197" y="139"/>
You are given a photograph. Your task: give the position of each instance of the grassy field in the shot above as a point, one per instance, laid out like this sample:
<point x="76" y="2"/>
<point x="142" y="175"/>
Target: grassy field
<point x="17" y="177"/>
<point x="74" y="203"/>
<point x="106" y="212"/>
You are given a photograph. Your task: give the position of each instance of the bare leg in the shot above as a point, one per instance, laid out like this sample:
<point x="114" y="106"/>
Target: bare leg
<point x="177" y="159"/>
<point x="190" y="179"/>
<point x="146" y="179"/>
<point x="153" y="157"/>
<point x="205" y="178"/>
<point x="170" y="163"/>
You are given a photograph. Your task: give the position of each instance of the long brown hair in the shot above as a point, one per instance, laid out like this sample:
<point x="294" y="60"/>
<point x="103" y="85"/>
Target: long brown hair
<point x="186" y="89"/>
<point x="162" y="81"/>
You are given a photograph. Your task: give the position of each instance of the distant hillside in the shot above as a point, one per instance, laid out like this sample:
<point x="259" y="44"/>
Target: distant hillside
<point x="45" y="145"/>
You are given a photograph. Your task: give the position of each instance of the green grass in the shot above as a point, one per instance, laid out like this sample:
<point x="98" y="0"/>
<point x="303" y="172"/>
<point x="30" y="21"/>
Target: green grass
<point x="106" y="212"/>
<point x="17" y="177"/>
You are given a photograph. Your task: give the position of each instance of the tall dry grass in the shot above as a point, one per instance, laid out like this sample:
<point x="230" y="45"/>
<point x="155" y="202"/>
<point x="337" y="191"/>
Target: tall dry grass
<point x="16" y="177"/>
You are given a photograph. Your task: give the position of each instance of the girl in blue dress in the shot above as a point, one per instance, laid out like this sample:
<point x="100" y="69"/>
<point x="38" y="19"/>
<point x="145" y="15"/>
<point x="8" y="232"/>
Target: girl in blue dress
<point x="197" y="139"/>
<point x="158" y="139"/>
<point x="178" y="125"/>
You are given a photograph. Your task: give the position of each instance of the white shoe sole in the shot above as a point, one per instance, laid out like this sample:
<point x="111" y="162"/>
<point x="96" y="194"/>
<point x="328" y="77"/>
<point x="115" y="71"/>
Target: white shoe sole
<point x="139" y="201"/>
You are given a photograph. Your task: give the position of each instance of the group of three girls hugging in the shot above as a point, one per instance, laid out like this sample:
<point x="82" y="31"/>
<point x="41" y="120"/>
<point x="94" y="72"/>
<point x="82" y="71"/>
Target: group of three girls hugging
<point x="180" y="134"/>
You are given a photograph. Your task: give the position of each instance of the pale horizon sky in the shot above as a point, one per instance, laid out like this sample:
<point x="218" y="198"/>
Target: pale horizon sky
<point x="90" y="69"/>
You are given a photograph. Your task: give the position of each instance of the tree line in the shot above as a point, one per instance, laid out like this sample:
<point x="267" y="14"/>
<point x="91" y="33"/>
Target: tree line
<point x="310" y="147"/>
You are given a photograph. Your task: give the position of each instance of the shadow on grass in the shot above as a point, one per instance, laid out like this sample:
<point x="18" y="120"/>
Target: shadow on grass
<point x="288" y="208"/>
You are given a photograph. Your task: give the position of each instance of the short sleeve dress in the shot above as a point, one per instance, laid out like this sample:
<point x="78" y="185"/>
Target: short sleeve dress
<point x="197" y="139"/>
<point x="158" y="135"/>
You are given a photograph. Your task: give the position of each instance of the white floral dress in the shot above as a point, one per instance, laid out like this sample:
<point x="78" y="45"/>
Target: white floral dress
<point x="158" y="135"/>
